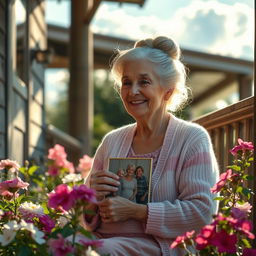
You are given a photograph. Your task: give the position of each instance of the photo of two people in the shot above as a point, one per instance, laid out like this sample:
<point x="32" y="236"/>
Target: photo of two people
<point x="135" y="178"/>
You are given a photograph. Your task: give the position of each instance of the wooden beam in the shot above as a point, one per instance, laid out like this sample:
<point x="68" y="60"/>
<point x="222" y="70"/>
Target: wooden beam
<point x="219" y="86"/>
<point x="91" y="11"/>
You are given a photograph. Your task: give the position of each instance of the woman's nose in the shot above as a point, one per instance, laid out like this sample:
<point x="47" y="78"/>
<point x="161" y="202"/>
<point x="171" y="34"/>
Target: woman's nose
<point x="135" y="89"/>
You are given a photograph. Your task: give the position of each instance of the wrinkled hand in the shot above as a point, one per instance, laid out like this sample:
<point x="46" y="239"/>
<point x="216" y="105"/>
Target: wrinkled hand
<point x="104" y="183"/>
<point x="115" y="209"/>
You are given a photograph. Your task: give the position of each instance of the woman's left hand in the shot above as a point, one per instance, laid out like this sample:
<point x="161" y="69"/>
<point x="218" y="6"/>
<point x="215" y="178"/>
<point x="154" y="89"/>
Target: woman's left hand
<point x="113" y="209"/>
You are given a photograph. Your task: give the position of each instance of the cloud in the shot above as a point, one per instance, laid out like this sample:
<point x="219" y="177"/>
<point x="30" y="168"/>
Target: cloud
<point x="210" y="26"/>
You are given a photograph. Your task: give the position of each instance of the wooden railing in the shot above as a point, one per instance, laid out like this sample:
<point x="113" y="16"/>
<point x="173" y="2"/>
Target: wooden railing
<point x="73" y="147"/>
<point x="225" y="126"/>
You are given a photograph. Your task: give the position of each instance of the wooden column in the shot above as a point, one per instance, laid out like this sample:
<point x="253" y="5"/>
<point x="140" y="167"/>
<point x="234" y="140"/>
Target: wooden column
<point x="245" y="86"/>
<point x="81" y="71"/>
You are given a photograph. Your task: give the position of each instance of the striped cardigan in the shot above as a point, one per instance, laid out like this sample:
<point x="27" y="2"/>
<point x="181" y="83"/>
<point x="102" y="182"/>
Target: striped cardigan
<point x="185" y="172"/>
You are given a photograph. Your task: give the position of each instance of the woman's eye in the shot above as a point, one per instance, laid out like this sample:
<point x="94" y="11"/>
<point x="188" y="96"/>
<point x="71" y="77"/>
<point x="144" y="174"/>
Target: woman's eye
<point x="143" y="82"/>
<point x="126" y="83"/>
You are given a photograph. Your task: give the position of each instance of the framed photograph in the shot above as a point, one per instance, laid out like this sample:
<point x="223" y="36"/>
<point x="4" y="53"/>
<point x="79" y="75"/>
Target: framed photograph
<point x="135" y="178"/>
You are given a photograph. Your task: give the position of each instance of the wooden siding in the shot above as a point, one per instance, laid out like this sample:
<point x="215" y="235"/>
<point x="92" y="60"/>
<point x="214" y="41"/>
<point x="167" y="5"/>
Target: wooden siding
<point x="2" y="81"/>
<point x="37" y="39"/>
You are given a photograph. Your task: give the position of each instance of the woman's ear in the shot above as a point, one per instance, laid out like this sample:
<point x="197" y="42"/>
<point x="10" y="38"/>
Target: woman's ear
<point x="168" y="94"/>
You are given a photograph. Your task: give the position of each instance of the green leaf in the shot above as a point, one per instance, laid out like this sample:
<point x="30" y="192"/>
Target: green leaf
<point x="234" y="167"/>
<point x="239" y="189"/>
<point x="23" y="170"/>
<point x="246" y="243"/>
<point x="219" y="198"/>
<point x="32" y="169"/>
<point x="24" y="251"/>
<point x="246" y="192"/>
<point x="44" y="205"/>
<point x="250" y="159"/>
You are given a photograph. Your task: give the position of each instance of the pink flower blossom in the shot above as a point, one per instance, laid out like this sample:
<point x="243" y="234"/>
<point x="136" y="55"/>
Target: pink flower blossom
<point x="249" y="252"/>
<point x="9" y="165"/>
<point x="53" y="170"/>
<point x="85" y="165"/>
<point x="243" y="146"/>
<point x="246" y="226"/>
<point x="203" y="239"/>
<point x="60" y="246"/>
<point x="181" y="239"/>
<point x="88" y="242"/>
<point x="58" y="154"/>
<point x="224" y="242"/>
<point x="68" y="165"/>
<point x="61" y="197"/>
<point x="84" y="193"/>
<point x="240" y="211"/>
<point x="221" y="183"/>
<point x="47" y="223"/>
<point x="12" y="185"/>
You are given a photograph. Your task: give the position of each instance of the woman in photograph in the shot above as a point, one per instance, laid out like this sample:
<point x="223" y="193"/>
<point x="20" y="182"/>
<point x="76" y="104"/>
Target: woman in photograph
<point x="120" y="173"/>
<point x="142" y="186"/>
<point x="128" y="184"/>
<point x="151" y="81"/>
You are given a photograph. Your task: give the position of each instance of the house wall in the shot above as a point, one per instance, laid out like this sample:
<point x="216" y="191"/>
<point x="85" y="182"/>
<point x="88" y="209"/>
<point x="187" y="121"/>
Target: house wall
<point x="22" y="114"/>
<point x="2" y="80"/>
<point x="37" y="40"/>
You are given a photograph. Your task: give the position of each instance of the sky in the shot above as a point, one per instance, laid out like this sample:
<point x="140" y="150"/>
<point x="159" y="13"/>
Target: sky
<point x="224" y="27"/>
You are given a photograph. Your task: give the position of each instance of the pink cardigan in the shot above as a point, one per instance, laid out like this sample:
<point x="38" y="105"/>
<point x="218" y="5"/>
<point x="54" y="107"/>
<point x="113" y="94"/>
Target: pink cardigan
<point x="185" y="172"/>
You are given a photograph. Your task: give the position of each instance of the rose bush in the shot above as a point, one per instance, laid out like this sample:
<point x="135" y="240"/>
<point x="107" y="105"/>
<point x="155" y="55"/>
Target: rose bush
<point x="40" y="207"/>
<point x="230" y="231"/>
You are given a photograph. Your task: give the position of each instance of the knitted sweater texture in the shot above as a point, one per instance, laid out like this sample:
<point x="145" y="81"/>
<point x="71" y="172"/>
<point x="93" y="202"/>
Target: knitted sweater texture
<point x="180" y="191"/>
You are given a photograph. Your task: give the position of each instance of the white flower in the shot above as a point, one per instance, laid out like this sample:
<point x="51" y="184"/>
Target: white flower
<point x="90" y="252"/>
<point x="1" y="212"/>
<point x="36" y="234"/>
<point x="72" y="177"/>
<point x="12" y="225"/>
<point x="7" y="236"/>
<point x="31" y="208"/>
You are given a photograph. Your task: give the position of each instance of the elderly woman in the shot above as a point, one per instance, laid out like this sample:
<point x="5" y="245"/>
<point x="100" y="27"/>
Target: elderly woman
<point x="151" y="81"/>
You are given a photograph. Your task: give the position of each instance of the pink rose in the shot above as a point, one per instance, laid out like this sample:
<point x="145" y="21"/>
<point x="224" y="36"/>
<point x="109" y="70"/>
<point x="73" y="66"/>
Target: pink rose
<point x="83" y="193"/>
<point x="221" y="183"/>
<point x="60" y="246"/>
<point x="85" y="165"/>
<point x="12" y="185"/>
<point x="68" y="165"/>
<point x="58" y="154"/>
<point x="9" y="165"/>
<point x="61" y="197"/>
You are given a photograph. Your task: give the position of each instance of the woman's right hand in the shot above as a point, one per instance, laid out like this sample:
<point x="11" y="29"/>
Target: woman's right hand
<point x="104" y="183"/>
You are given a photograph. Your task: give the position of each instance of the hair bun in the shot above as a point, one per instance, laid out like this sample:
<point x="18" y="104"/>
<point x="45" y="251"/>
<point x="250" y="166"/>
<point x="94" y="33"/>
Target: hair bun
<point x="144" y="43"/>
<point x="165" y="44"/>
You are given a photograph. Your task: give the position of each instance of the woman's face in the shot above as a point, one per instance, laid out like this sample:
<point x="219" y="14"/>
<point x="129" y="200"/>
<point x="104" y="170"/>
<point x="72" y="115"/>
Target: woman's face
<point x="139" y="172"/>
<point x="141" y="92"/>
<point x="130" y="171"/>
